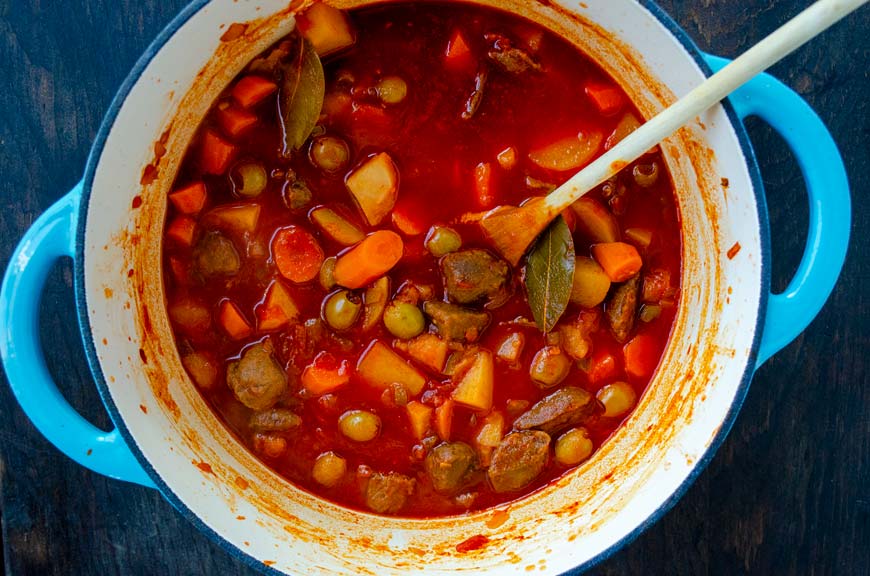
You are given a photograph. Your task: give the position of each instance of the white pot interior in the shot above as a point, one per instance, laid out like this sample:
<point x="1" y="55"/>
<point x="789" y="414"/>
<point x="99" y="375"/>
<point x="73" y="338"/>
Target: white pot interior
<point x="207" y="473"/>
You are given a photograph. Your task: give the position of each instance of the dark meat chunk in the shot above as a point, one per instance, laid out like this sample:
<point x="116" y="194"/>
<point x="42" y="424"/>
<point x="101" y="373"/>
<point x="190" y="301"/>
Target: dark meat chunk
<point x="622" y="308"/>
<point x="563" y="408"/>
<point x="257" y="380"/>
<point x="387" y="493"/>
<point x="455" y="322"/>
<point x="450" y="466"/>
<point x="217" y="256"/>
<point x="518" y="460"/>
<point x="473" y="275"/>
<point x="274" y="420"/>
<point x="476" y="97"/>
<point x="509" y="58"/>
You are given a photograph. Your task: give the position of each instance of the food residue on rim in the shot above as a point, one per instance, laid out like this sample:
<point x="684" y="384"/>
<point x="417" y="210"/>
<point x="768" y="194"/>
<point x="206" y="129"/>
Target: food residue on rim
<point x="242" y="483"/>
<point x="732" y="252"/>
<point x="235" y="31"/>
<point x="497" y="518"/>
<point x="149" y="175"/>
<point x="474" y="543"/>
<point x="204" y="466"/>
<point x="143" y="408"/>
<point x="107" y="292"/>
<point x="725" y="182"/>
<point x="143" y="356"/>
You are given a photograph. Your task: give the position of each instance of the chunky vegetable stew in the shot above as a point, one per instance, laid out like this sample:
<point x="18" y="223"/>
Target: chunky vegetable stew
<point x="333" y="297"/>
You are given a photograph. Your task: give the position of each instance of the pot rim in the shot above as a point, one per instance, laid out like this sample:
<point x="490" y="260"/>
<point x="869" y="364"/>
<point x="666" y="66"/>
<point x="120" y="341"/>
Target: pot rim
<point x="165" y="489"/>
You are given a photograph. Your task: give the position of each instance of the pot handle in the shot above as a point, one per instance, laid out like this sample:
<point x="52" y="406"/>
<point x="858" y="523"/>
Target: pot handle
<point x="790" y="312"/>
<point x="50" y="238"/>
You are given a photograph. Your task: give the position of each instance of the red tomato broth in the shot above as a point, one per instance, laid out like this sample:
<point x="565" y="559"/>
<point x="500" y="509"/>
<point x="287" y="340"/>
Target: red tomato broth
<point x="436" y="152"/>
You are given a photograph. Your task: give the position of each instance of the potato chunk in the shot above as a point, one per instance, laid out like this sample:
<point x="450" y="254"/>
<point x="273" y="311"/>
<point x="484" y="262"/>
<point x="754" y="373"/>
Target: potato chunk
<point x="374" y="187"/>
<point x="327" y="28"/>
<point x="380" y="367"/>
<point x="474" y="389"/>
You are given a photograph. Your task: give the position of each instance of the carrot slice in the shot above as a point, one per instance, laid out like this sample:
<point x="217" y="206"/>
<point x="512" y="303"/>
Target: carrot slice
<point x="277" y="309"/>
<point x="325" y="374"/>
<point x="297" y="254"/>
<point x="368" y="260"/>
<point x="483" y="187"/>
<point x="182" y="230"/>
<point x="235" y="121"/>
<point x="444" y="419"/>
<point x="607" y="99"/>
<point x="641" y="356"/>
<point x="458" y="54"/>
<point x="407" y="222"/>
<point x="215" y="153"/>
<point x="232" y="321"/>
<point x="252" y="89"/>
<point x="190" y="199"/>
<point x="620" y="261"/>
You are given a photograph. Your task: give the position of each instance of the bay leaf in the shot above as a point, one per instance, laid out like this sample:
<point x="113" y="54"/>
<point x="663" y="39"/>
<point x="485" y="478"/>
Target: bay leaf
<point x="303" y="87"/>
<point x="550" y="274"/>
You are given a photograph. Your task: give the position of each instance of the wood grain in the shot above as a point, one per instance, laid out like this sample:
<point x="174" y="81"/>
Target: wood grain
<point x="788" y="492"/>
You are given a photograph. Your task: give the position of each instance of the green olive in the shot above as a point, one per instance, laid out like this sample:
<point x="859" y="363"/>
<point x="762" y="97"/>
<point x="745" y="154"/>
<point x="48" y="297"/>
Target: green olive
<point x="442" y="240"/>
<point x="249" y="179"/>
<point x="341" y="309"/>
<point x="403" y="320"/>
<point x="618" y="398"/>
<point x="329" y="468"/>
<point x="359" y="425"/>
<point x="573" y="447"/>
<point x="327" y="273"/>
<point x="329" y="153"/>
<point x="392" y="90"/>
<point x="645" y="174"/>
<point x="549" y="366"/>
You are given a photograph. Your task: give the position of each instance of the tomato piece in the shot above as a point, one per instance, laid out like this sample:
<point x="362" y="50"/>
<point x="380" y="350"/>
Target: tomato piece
<point x="602" y="367"/>
<point x="641" y="355"/>
<point x="325" y="374"/>
<point x="607" y="99"/>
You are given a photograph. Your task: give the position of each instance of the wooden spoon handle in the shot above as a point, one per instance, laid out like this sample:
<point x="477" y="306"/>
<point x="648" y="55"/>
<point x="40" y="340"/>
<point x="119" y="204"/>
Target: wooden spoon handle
<point x="797" y="31"/>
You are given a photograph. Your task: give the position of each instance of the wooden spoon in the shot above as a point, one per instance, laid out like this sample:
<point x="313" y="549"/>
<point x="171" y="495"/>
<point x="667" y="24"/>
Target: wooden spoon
<point x="511" y="230"/>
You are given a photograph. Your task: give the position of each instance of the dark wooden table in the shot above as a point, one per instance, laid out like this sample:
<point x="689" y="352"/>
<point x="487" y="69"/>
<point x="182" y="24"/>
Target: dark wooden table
<point x="788" y="492"/>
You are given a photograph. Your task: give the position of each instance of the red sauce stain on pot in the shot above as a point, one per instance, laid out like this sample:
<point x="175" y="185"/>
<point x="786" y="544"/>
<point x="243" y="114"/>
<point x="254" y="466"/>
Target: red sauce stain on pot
<point x="497" y="518"/>
<point x="732" y="252"/>
<point x="143" y="408"/>
<point x="474" y="543"/>
<point x="108" y="293"/>
<point x="234" y="32"/>
<point x="242" y="483"/>
<point x="204" y="466"/>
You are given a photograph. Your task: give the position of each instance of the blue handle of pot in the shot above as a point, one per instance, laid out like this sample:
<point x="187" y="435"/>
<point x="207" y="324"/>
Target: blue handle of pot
<point x="790" y="312"/>
<point x="50" y="238"/>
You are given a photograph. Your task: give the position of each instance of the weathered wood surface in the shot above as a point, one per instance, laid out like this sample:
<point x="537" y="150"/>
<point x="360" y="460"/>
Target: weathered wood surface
<point x="788" y="492"/>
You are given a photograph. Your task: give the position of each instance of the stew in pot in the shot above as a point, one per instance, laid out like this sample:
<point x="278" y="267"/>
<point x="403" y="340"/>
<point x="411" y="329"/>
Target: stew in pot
<point x="334" y="300"/>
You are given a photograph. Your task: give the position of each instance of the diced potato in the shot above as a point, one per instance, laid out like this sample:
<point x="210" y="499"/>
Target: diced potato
<point x="374" y="302"/>
<point x="626" y="125"/>
<point x="327" y="28"/>
<point x="640" y="237"/>
<point x="511" y="347"/>
<point x="489" y="436"/>
<point x="335" y="226"/>
<point x="507" y="158"/>
<point x="233" y="322"/>
<point x="190" y="316"/>
<point x="203" y="371"/>
<point x="569" y="153"/>
<point x="476" y="385"/>
<point x="239" y="217"/>
<point x="380" y="367"/>
<point x="444" y="419"/>
<point x="427" y="349"/>
<point x="591" y="283"/>
<point x="278" y="309"/>
<point x="374" y="186"/>
<point x="420" y="416"/>
<point x="594" y="221"/>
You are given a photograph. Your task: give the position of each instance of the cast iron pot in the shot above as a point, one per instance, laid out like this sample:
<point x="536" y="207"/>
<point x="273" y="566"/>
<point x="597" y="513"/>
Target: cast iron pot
<point x="167" y="438"/>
